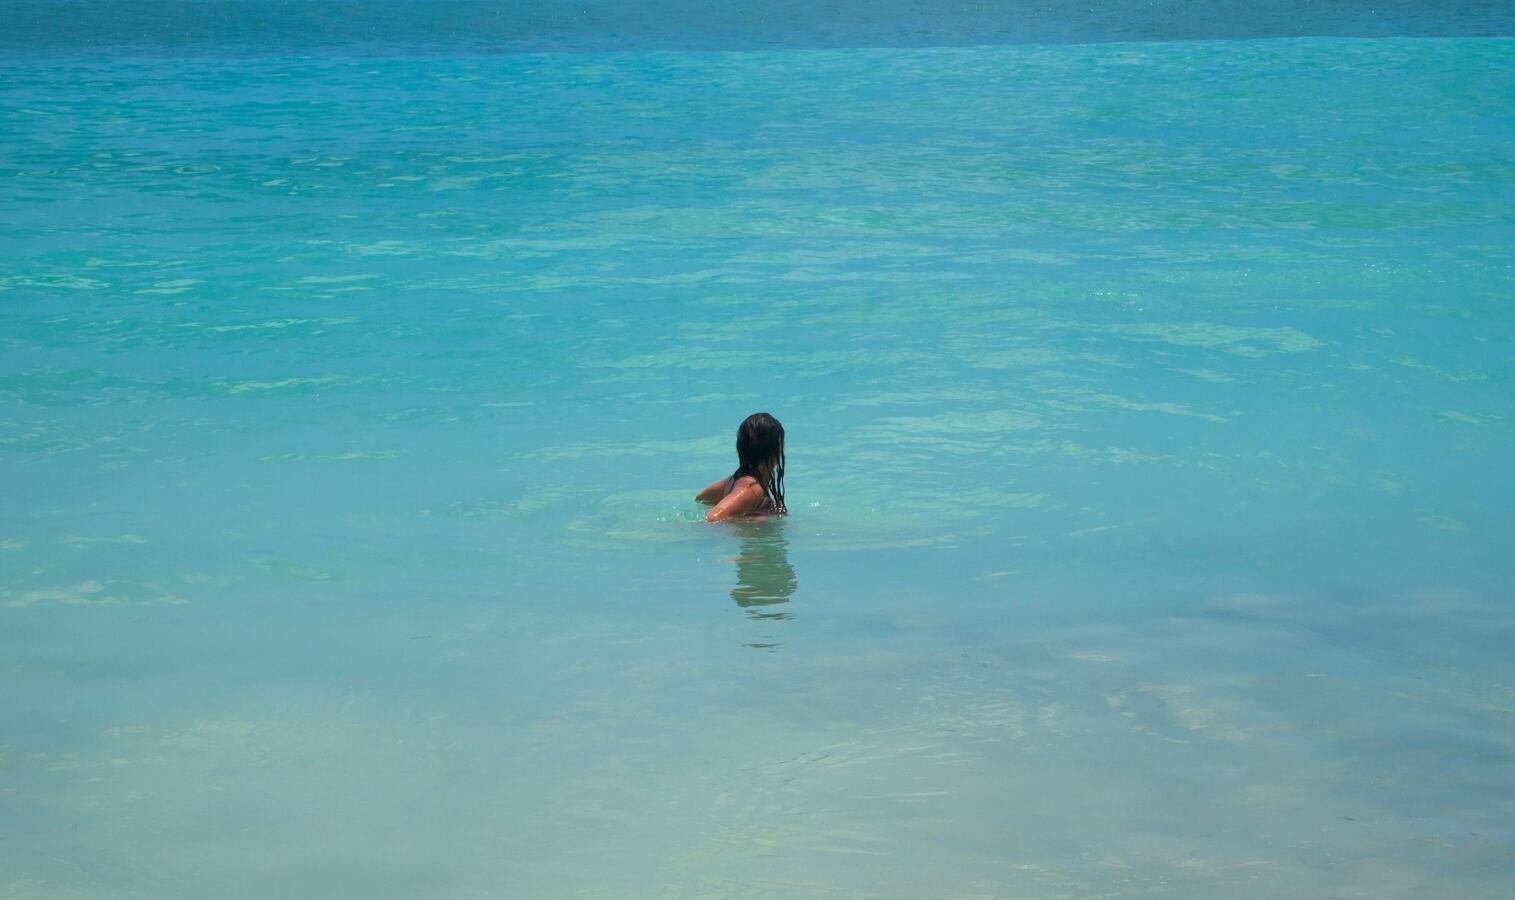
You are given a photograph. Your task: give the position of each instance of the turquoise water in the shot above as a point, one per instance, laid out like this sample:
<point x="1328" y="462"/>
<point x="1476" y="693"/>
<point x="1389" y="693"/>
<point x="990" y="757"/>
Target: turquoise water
<point x="1150" y="425"/>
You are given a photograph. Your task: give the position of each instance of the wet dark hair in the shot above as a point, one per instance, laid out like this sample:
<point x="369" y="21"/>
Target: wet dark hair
<point x="760" y="439"/>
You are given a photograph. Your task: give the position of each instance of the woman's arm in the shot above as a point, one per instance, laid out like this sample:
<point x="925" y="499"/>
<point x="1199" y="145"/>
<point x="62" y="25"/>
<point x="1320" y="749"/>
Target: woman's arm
<point x="746" y="497"/>
<point x="714" y="493"/>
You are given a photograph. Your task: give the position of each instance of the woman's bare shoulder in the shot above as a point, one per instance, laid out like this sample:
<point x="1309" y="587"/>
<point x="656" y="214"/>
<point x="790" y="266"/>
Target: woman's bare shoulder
<point x="746" y="496"/>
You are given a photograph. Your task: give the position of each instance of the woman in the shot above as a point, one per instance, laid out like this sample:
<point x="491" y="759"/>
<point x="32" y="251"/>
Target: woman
<point x="756" y="488"/>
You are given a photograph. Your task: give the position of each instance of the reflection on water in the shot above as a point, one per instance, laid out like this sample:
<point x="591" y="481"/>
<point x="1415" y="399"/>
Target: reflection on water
<point x="764" y="578"/>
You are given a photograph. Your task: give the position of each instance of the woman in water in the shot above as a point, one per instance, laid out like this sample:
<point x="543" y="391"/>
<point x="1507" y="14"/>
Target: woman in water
<point x="756" y="488"/>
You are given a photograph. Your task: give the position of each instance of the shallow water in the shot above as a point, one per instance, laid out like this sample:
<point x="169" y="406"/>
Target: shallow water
<point x="1149" y="422"/>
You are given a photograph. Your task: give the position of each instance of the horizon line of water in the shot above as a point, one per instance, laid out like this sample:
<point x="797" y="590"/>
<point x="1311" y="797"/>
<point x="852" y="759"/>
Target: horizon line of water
<point x="240" y="27"/>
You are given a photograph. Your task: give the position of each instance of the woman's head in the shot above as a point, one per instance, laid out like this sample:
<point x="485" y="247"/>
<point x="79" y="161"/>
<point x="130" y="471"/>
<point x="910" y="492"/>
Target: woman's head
<point x="760" y="453"/>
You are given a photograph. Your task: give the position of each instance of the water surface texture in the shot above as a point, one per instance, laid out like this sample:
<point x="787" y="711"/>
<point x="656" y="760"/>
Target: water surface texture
<point x="1150" y="422"/>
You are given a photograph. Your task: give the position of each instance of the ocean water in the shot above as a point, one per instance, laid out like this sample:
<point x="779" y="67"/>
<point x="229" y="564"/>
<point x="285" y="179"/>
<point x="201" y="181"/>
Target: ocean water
<point x="1150" y="426"/>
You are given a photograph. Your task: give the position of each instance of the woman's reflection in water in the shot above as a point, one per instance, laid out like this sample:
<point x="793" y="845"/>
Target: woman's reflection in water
<point x="764" y="578"/>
